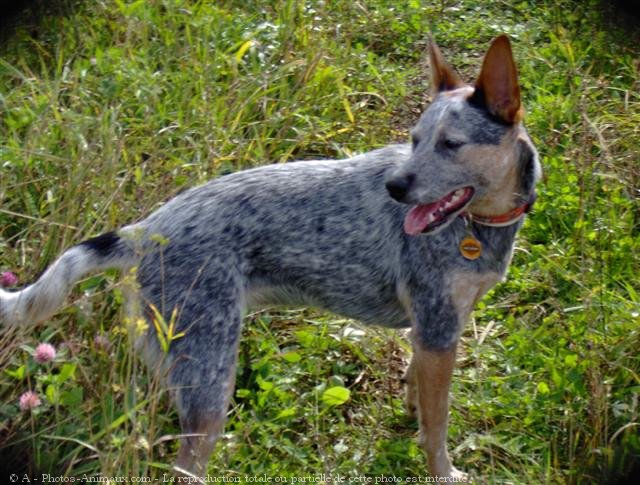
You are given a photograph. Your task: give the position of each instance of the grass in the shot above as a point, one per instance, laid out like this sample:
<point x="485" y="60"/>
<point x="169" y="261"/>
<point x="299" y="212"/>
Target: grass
<point x="114" y="107"/>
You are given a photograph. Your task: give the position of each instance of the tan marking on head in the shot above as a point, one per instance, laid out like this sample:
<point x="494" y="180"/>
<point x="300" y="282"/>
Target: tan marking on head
<point x="462" y="93"/>
<point x="467" y="288"/>
<point x="498" y="165"/>
<point x="519" y="116"/>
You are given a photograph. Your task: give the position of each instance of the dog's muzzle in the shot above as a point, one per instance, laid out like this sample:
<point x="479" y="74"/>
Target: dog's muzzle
<point x="399" y="186"/>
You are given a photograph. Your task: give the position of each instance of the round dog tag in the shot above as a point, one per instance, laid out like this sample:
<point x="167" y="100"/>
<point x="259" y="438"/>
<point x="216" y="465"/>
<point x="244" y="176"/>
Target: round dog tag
<point x="470" y="248"/>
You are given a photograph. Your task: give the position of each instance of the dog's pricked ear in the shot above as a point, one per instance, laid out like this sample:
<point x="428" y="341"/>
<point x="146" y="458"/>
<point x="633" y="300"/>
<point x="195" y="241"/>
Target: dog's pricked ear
<point x="497" y="85"/>
<point x="443" y="77"/>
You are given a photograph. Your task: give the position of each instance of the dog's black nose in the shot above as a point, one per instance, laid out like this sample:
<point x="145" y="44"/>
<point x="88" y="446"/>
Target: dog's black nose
<point x="399" y="186"/>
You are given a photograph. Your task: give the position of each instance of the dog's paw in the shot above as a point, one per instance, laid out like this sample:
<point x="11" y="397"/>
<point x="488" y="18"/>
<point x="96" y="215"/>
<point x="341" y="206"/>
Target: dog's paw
<point x="440" y="466"/>
<point x="458" y="476"/>
<point x="453" y="475"/>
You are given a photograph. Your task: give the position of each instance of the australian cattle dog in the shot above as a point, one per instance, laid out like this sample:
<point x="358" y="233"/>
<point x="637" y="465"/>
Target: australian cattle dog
<point x="406" y="236"/>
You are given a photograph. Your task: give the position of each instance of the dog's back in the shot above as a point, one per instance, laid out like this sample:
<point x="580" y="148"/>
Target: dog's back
<point x="305" y="232"/>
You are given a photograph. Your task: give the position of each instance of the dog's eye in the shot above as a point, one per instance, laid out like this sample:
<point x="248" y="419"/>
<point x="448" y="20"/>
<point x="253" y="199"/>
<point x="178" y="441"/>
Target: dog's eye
<point x="452" y="144"/>
<point x="414" y="141"/>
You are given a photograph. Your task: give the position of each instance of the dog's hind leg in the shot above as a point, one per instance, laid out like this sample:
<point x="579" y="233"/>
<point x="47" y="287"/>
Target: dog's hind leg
<point x="410" y="381"/>
<point x="202" y="365"/>
<point x="201" y="433"/>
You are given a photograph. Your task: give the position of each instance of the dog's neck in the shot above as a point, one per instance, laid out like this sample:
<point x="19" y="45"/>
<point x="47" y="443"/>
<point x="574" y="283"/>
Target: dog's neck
<point x="502" y="220"/>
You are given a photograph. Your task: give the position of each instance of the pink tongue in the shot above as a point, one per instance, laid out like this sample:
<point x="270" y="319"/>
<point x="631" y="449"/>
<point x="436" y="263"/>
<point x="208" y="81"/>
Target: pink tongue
<point x="419" y="217"/>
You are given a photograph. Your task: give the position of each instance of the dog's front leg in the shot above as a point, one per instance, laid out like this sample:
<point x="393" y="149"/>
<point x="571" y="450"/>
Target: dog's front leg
<point x="432" y="374"/>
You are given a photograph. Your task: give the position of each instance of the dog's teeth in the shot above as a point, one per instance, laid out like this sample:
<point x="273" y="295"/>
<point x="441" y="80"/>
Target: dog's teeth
<point x="456" y="196"/>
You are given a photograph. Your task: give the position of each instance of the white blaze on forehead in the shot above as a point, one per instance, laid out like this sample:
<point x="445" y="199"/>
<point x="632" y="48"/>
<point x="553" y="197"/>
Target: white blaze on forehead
<point x="443" y="112"/>
<point x="454" y="102"/>
<point x="442" y="124"/>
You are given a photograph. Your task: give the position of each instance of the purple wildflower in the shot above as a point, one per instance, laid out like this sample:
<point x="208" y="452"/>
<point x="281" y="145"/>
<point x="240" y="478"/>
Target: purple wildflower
<point x="7" y="279"/>
<point x="44" y="353"/>
<point x="29" y="400"/>
<point x="101" y="341"/>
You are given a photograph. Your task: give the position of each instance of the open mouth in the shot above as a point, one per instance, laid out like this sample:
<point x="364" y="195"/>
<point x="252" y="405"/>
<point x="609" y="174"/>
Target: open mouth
<point x="425" y="218"/>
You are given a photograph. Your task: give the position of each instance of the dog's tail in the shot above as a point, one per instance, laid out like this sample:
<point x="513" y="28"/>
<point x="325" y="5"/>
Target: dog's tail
<point x="40" y="300"/>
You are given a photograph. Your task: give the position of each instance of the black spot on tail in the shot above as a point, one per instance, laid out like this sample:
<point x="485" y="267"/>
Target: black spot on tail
<point x="103" y="245"/>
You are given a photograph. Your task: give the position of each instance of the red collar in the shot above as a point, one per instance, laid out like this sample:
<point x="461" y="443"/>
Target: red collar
<point x="506" y="219"/>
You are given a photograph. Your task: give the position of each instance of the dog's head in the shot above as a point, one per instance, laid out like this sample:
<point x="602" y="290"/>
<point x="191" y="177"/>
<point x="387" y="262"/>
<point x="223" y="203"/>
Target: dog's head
<point x="470" y="149"/>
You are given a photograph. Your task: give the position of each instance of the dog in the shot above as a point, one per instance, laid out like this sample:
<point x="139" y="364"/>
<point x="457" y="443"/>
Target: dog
<point x="406" y="236"/>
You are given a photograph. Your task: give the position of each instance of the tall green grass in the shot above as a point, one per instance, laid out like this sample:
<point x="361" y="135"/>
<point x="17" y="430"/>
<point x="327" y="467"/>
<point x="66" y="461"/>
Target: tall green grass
<point x="113" y="108"/>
